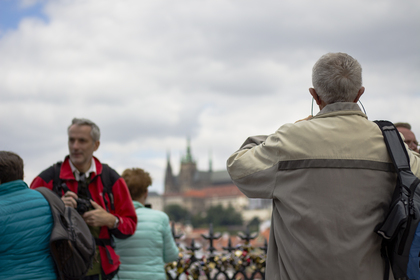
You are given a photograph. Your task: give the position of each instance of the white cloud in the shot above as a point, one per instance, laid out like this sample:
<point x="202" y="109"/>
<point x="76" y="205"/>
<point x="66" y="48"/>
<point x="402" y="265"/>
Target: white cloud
<point x="152" y="73"/>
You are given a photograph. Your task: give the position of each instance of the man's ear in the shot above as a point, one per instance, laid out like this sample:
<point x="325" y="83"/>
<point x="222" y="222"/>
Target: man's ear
<point x="315" y="96"/>
<point x="97" y="143"/>
<point x="359" y="93"/>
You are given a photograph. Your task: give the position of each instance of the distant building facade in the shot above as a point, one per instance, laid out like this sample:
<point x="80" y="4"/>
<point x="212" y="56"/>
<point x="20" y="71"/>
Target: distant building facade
<point x="190" y="178"/>
<point x="197" y="190"/>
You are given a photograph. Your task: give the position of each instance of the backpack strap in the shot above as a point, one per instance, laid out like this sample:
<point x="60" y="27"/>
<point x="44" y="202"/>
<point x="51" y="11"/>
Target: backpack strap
<point x="52" y="199"/>
<point x="109" y="177"/>
<point x="399" y="155"/>
<point x="406" y="184"/>
<point x="394" y="145"/>
<point x="58" y="184"/>
<point x="384" y="255"/>
<point x="57" y="209"/>
<point x="56" y="179"/>
<point x="106" y="242"/>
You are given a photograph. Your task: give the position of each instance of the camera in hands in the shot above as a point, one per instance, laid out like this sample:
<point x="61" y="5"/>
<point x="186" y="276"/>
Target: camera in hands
<point x="83" y="205"/>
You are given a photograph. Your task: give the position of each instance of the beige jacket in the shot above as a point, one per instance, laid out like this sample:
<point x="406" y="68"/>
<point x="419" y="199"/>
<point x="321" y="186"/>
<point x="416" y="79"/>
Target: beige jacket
<point x="331" y="181"/>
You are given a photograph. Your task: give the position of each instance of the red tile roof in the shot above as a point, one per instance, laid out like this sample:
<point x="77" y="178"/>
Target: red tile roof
<point x="228" y="190"/>
<point x="219" y="191"/>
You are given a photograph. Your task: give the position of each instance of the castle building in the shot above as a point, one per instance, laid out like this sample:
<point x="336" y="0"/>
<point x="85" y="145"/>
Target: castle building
<point x="190" y="178"/>
<point x="196" y="190"/>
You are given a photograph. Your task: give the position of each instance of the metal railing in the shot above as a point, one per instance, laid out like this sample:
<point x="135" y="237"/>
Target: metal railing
<point x="240" y="262"/>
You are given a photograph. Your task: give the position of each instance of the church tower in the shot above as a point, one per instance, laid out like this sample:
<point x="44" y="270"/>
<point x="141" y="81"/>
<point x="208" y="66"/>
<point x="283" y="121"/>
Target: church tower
<point x="210" y="163"/>
<point x="170" y="186"/>
<point x="188" y="171"/>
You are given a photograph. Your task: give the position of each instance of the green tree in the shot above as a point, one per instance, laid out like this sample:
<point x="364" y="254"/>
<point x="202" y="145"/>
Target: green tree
<point x="176" y="213"/>
<point x="254" y="224"/>
<point x="199" y="220"/>
<point x="219" y="216"/>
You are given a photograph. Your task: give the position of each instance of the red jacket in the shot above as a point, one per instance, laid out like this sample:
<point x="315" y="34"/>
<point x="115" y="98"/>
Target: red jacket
<point x="123" y="207"/>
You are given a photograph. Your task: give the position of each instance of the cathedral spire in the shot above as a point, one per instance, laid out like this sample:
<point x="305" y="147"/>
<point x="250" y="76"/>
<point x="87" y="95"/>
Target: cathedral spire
<point x="188" y="157"/>
<point x="169" y="177"/>
<point x="210" y="162"/>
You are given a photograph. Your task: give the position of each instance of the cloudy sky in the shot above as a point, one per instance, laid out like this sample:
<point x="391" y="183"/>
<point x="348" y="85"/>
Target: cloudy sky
<point x="152" y="73"/>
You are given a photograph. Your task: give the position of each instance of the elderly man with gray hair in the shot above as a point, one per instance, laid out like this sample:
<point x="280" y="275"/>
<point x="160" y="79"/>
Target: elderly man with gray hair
<point x="330" y="179"/>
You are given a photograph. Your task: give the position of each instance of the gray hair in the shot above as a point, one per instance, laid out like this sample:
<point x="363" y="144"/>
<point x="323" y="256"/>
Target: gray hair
<point x="337" y="77"/>
<point x="95" y="132"/>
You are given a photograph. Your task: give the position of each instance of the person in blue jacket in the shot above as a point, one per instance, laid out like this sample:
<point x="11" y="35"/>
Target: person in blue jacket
<point x="144" y="254"/>
<point x="25" y="225"/>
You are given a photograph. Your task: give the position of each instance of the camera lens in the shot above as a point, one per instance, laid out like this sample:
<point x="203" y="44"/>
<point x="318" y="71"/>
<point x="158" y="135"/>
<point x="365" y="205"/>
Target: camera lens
<point x="82" y="206"/>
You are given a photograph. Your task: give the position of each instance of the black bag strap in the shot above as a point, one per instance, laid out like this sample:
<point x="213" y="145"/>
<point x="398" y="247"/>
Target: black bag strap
<point x="106" y="242"/>
<point x="398" y="154"/>
<point x="108" y="182"/>
<point x="384" y="255"/>
<point x="58" y="184"/>
<point x="394" y="145"/>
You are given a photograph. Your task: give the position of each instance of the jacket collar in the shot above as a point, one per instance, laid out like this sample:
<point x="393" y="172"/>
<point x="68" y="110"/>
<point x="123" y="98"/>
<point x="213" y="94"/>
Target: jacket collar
<point x="137" y="204"/>
<point x="13" y="186"/>
<point x="340" y="108"/>
<point x="76" y="172"/>
<point x="67" y="173"/>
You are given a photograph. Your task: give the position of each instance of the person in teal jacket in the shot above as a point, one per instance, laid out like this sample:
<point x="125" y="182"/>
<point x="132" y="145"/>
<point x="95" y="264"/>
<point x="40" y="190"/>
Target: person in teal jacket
<point x="26" y="224"/>
<point x="143" y="255"/>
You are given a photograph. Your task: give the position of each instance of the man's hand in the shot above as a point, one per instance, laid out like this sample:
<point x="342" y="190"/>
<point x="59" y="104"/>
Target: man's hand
<point x="99" y="217"/>
<point x="69" y="199"/>
<point x="305" y="119"/>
